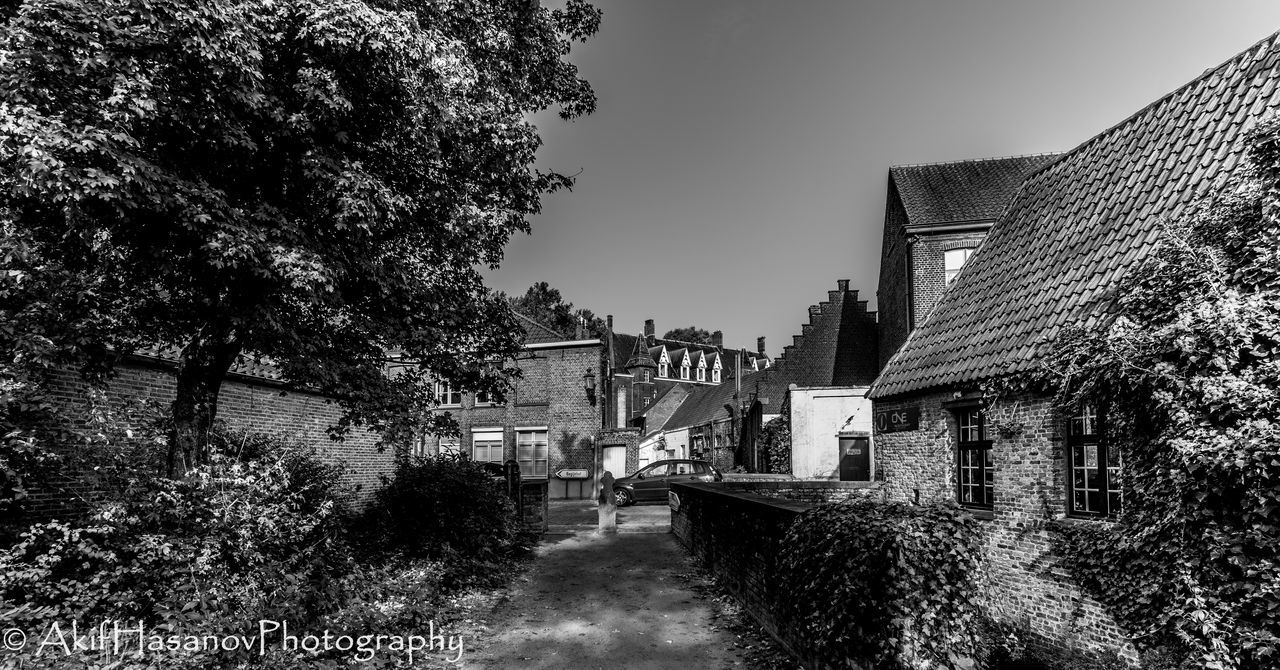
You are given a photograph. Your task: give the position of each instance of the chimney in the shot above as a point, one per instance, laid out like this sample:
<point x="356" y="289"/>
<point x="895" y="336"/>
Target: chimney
<point x="579" y="332"/>
<point x="760" y="346"/>
<point x="842" y="284"/>
<point x="717" y="338"/>
<point x="648" y="331"/>
<point x="608" y="322"/>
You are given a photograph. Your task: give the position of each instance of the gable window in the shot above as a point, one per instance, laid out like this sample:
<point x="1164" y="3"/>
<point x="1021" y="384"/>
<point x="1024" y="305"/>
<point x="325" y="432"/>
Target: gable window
<point x="715" y="375"/>
<point x="953" y="260"/>
<point x="662" y="369"/>
<point x="975" y="469"/>
<point x="702" y="374"/>
<point x="486" y="445"/>
<point x="684" y="370"/>
<point x="531" y="451"/>
<point x="1094" y="486"/>
<point x="447" y="396"/>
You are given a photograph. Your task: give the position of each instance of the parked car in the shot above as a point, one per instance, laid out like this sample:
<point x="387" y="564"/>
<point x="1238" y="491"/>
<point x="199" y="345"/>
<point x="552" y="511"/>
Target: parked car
<point x="651" y="482"/>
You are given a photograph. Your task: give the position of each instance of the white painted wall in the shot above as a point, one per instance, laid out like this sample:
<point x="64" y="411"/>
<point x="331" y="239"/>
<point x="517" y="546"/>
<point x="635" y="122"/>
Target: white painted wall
<point x="818" y="416"/>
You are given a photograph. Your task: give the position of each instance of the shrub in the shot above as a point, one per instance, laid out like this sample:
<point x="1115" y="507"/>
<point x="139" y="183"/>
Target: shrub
<point x="444" y="508"/>
<point x="233" y="542"/>
<point x="887" y="585"/>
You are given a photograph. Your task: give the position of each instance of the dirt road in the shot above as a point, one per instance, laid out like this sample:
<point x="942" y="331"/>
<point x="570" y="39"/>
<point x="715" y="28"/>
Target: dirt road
<point x="613" y="601"/>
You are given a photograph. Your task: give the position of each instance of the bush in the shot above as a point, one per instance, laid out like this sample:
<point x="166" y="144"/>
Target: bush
<point x="233" y="542"/>
<point x="885" y="585"/>
<point x="444" y="508"/>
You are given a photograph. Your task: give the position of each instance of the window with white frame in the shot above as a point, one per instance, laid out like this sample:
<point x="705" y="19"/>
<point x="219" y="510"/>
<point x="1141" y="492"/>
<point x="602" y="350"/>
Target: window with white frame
<point x="976" y="481"/>
<point x="702" y="370"/>
<point x="447" y="396"/>
<point x="684" y="369"/>
<point x="486" y="445"/>
<point x="953" y="260"/>
<point x="484" y="398"/>
<point x="1094" y="486"/>
<point x="531" y="451"/>
<point x="420" y="448"/>
<point x="644" y="375"/>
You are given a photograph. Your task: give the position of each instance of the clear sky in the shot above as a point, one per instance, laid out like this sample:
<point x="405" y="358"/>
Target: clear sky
<point x="737" y="164"/>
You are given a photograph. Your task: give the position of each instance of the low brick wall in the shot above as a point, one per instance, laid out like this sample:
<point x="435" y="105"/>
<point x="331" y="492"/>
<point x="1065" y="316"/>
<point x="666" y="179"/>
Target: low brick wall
<point x="736" y="530"/>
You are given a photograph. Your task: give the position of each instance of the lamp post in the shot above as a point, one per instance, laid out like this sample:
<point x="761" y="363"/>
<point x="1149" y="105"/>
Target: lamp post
<point x="589" y="385"/>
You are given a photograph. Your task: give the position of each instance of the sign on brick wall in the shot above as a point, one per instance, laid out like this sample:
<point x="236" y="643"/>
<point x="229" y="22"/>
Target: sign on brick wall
<point x="892" y="421"/>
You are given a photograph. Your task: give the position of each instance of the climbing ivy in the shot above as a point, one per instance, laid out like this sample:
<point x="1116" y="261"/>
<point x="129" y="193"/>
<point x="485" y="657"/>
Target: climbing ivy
<point x="1188" y="368"/>
<point x="883" y="585"/>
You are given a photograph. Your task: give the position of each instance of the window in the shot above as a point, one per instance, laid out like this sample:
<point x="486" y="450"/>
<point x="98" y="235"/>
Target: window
<point x="662" y="369"/>
<point x="419" y="449"/>
<point x="684" y="370"/>
<point x="486" y="445"/>
<point x="531" y="451"/>
<point x="644" y="375"/>
<point x="976" y="474"/>
<point x="684" y="468"/>
<point x="646" y="401"/>
<point x="659" y="470"/>
<point x="447" y="396"/>
<point x="715" y="375"/>
<point x="702" y="374"/>
<point x="953" y="260"/>
<point x="484" y="398"/>
<point x="1094" y="487"/>
<point x="450" y="445"/>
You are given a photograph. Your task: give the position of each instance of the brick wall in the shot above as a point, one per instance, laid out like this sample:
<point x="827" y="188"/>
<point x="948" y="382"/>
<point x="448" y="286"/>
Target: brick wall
<point x="737" y="533"/>
<point x="551" y="393"/>
<point x="245" y="402"/>
<point x="928" y="272"/>
<point x="533" y="504"/>
<point x="1026" y="583"/>
<point x="891" y="293"/>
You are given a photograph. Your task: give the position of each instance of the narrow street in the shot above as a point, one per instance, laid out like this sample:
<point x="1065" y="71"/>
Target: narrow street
<point x="605" y="601"/>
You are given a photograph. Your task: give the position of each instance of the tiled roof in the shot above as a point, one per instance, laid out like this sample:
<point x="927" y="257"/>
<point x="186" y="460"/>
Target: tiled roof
<point x="536" y="332"/>
<point x="1080" y="222"/>
<point x="246" y="365"/>
<point x="624" y="347"/>
<point x="975" y="190"/>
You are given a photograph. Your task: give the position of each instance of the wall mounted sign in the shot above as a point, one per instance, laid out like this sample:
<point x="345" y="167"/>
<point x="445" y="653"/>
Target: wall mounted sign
<point x="893" y="421"/>
<point x="580" y="473"/>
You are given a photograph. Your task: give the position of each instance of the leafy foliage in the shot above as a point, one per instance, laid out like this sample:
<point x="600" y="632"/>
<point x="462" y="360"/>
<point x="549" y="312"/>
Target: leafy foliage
<point x="314" y="183"/>
<point x="883" y="585"/>
<point x="445" y="508"/>
<point x="775" y="441"/>
<point x="688" y="334"/>
<point x="546" y="305"/>
<point x="1188" y="371"/>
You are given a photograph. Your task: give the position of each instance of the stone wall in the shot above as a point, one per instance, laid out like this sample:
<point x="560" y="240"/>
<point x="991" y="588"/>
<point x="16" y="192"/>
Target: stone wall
<point x="1026" y="583"/>
<point x="533" y="505"/>
<point x="736" y="530"/>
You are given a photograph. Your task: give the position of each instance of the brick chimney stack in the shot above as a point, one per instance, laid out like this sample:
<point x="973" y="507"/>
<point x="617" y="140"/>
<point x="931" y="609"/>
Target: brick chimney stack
<point x="648" y="331"/>
<point x="842" y="284"/>
<point x="760" y="346"/>
<point x="717" y="338"/>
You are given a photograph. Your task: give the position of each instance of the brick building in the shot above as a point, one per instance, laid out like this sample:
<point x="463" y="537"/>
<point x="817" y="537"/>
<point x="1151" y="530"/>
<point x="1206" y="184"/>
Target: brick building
<point x="550" y="420"/>
<point x="1074" y="227"/>
<point x="820" y="379"/>
<point x="935" y="217"/>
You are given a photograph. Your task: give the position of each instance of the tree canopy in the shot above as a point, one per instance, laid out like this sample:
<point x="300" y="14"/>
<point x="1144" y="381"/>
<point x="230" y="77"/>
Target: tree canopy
<point x="310" y="182"/>
<point x="688" y="334"/>
<point x="547" y="306"/>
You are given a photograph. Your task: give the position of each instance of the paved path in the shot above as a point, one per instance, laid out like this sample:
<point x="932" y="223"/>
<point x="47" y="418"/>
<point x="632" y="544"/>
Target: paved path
<point x="604" y="601"/>
<point x="577" y="516"/>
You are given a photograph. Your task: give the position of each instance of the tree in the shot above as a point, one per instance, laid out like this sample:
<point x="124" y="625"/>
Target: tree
<point x="310" y="182"/>
<point x="688" y="334"/>
<point x="546" y="305"/>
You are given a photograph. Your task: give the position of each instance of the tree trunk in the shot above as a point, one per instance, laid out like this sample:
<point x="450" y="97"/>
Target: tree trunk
<point x="203" y="365"/>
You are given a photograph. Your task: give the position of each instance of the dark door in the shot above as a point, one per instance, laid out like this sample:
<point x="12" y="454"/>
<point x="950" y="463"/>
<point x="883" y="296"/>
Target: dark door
<point x="855" y="458"/>
<point x="653" y="485"/>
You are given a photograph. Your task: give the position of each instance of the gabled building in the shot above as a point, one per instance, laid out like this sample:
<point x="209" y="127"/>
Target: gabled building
<point x="1076" y="225"/>
<point x="936" y="216"/>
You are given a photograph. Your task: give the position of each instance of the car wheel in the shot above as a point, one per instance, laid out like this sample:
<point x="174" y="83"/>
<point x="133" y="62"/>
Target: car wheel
<point x="621" y="497"/>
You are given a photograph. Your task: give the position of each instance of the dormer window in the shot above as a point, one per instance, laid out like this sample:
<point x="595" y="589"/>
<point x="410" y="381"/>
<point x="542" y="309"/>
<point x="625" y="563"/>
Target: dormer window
<point x="684" y="369"/>
<point x="702" y="373"/>
<point x="715" y="375"/>
<point x="664" y="364"/>
<point x="662" y="369"/>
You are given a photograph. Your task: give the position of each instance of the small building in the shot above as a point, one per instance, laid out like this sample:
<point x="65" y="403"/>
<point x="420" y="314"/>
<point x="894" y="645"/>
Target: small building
<point x="936" y="216"/>
<point x="1077" y="223"/>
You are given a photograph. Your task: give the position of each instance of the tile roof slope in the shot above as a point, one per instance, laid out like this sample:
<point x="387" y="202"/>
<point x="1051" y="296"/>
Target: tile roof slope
<point x="536" y="332"/>
<point x="974" y="190"/>
<point x="705" y="403"/>
<point x="1078" y="223"/>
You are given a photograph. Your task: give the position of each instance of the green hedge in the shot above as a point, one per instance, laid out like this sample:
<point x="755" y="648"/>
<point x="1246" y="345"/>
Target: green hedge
<point x="884" y="585"/>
